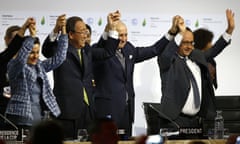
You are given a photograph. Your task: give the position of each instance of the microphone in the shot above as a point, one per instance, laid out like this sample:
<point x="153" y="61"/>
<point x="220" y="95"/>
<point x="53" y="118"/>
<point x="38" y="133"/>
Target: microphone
<point x="9" y="122"/>
<point x="164" y="116"/>
<point x="183" y="132"/>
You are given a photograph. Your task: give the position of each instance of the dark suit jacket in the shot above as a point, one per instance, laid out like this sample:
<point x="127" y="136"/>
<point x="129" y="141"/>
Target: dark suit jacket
<point x="70" y="77"/>
<point x="213" y="63"/>
<point x="115" y="85"/>
<point x="5" y="57"/>
<point x="176" y="85"/>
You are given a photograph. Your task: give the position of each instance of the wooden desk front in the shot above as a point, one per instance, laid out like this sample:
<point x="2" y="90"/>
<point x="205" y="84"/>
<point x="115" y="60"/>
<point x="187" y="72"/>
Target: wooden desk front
<point x="167" y="142"/>
<point x="120" y="142"/>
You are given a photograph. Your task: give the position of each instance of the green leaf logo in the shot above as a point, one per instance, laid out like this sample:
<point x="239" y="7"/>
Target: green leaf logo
<point x="43" y="20"/>
<point x="197" y="24"/>
<point x="144" y="22"/>
<point x="100" y="22"/>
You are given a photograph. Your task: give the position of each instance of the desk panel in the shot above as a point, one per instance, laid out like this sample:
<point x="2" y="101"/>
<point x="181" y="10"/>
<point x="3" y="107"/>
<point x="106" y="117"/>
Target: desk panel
<point x="120" y="142"/>
<point x="167" y="142"/>
<point x="192" y="141"/>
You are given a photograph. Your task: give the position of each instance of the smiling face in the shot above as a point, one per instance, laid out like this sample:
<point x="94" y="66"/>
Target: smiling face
<point x="33" y="57"/>
<point x="122" y="34"/>
<point x="78" y="37"/>
<point x="187" y="44"/>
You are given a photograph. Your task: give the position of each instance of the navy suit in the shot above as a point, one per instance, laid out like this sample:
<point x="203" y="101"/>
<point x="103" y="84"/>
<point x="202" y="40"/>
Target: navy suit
<point x="114" y="85"/>
<point x="71" y="77"/>
<point x="176" y="84"/>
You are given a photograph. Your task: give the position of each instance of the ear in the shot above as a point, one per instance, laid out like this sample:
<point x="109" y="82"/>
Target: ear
<point x="7" y="41"/>
<point x="70" y="35"/>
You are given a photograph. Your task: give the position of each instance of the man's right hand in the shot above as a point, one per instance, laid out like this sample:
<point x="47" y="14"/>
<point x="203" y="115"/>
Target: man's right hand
<point x="60" y="24"/>
<point x="181" y="24"/>
<point x="32" y="30"/>
<point x="230" y="21"/>
<point x="174" y="28"/>
<point x="24" y="27"/>
<point x="113" y="19"/>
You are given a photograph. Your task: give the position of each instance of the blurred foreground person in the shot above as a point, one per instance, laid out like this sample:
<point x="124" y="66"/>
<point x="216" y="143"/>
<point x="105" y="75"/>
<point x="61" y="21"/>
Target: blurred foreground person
<point x="103" y="131"/>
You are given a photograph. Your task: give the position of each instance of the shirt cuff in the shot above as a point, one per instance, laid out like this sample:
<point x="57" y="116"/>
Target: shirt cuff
<point x="105" y="35"/>
<point x="113" y="34"/>
<point x="53" y="36"/>
<point x="227" y="37"/>
<point x="169" y="37"/>
<point x="178" y="39"/>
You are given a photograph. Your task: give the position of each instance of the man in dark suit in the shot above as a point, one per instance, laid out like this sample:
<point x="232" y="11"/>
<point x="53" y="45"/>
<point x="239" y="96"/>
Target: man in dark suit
<point x="73" y="80"/>
<point x="187" y="90"/>
<point x="114" y="78"/>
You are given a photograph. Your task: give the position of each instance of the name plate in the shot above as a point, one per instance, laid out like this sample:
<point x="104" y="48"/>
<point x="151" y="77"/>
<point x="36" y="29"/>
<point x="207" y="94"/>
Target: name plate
<point x="8" y="135"/>
<point x="191" y="131"/>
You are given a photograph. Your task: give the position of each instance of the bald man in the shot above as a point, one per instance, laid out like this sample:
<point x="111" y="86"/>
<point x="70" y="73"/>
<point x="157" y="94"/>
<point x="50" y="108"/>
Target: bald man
<point x="114" y="77"/>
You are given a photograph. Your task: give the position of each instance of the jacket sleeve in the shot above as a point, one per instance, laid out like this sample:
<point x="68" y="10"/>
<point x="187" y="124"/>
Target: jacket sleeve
<point x="167" y="56"/>
<point x="217" y="48"/>
<point x="49" y="48"/>
<point x="59" y="56"/>
<point x="104" y="48"/>
<point x="16" y="65"/>
<point x="144" y="53"/>
<point x="12" y="49"/>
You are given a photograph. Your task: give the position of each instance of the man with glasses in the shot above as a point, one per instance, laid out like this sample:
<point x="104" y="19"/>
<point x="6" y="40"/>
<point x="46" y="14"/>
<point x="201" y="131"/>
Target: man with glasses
<point x="187" y="92"/>
<point x="73" y="80"/>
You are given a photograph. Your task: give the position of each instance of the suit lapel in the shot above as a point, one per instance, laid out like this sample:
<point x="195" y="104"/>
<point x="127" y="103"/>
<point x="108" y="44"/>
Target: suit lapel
<point x="75" y="57"/>
<point x="127" y="60"/>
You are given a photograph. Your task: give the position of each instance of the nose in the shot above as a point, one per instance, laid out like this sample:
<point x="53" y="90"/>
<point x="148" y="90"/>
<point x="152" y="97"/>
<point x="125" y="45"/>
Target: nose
<point x="36" y="55"/>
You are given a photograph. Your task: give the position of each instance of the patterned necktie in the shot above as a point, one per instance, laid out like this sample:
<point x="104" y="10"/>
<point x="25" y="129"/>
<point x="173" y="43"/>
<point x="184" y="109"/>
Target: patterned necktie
<point x="193" y="81"/>
<point x="85" y="96"/>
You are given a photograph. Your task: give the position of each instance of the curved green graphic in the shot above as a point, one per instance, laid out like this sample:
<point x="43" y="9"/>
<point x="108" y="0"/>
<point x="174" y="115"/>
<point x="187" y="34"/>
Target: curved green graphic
<point x="100" y="22"/>
<point x="197" y="24"/>
<point x="144" y="23"/>
<point x="43" y="20"/>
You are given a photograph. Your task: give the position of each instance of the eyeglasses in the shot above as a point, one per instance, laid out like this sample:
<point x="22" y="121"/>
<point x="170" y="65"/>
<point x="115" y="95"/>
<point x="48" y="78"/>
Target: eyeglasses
<point x="83" y="32"/>
<point x="187" y="43"/>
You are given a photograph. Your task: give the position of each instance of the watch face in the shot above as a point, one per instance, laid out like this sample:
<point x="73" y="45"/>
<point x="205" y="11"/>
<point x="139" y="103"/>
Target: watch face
<point x="7" y="92"/>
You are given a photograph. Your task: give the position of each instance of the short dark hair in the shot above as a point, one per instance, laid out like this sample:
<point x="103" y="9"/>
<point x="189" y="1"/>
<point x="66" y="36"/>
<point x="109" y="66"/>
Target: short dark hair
<point x="188" y="28"/>
<point x="10" y="30"/>
<point x="36" y="40"/>
<point x="89" y="28"/>
<point x="202" y="37"/>
<point x="47" y="132"/>
<point x="71" y="22"/>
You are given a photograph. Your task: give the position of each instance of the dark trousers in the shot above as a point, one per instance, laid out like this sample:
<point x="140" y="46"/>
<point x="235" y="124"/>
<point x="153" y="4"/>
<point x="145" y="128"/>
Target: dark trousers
<point x="125" y="122"/>
<point x="71" y="126"/>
